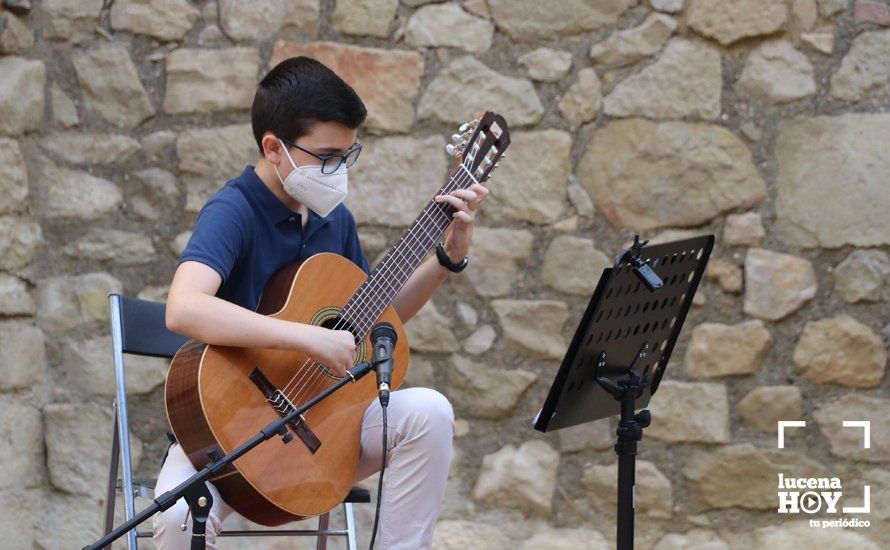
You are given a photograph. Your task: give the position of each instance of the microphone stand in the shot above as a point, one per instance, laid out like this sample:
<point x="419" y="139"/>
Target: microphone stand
<point x="383" y="338"/>
<point x="194" y="489"/>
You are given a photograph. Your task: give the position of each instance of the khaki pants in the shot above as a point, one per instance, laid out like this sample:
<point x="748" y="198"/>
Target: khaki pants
<point x="420" y="429"/>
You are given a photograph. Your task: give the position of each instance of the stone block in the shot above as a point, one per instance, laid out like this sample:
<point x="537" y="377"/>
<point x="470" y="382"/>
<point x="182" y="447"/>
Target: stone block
<point x="836" y="160"/>
<point x="484" y="392"/>
<point x="21" y="445"/>
<point x="24" y="358"/>
<point x="494" y="267"/>
<point x="163" y="19"/>
<point x="449" y="26"/>
<point x="690" y="412"/>
<point x="546" y="64"/>
<point x="205" y="80"/>
<point x="716" y="349"/>
<point x="530" y="185"/>
<point x="530" y="20"/>
<point x="13" y="178"/>
<point x="533" y="327"/>
<point x="573" y="266"/>
<point x="841" y="350"/>
<point x="777" y="285"/>
<point x="388" y="81"/>
<point x="111" y="85"/>
<point x="78" y="443"/>
<point x="765" y="406"/>
<point x="744" y="475"/>
<point x="685" y="81"/>
<point x="260" y="19"/>
<point x="515" y="98"/>
<point x="429" y="330"/>
<point x="728" y="21"/>
<point x="699" y="170"/>
<point x="523" y="478"/>
<point x="848" y="443"/>
<point x="21" y="95"/>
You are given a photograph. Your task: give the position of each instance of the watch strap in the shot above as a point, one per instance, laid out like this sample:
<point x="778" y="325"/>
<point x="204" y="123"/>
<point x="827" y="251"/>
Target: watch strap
<point x="446" y="262"/>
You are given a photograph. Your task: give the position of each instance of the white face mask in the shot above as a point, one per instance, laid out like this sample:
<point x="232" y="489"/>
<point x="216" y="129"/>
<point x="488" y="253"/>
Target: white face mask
<point x="321" y="193"/>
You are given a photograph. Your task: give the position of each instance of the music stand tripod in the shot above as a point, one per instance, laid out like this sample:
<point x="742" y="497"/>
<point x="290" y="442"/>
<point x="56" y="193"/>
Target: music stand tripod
<point x="621" y="348"/>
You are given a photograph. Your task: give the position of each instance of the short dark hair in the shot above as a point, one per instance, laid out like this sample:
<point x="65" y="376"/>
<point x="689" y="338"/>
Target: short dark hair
<point x="299" y="92"/>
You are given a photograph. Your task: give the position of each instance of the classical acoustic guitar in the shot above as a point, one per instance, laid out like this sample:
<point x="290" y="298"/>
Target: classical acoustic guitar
<point x="218" y="397"/>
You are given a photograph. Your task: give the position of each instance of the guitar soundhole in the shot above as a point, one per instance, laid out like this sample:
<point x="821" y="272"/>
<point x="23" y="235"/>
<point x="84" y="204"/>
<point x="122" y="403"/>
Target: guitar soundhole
<point x="329" y="318"/>
<point x="336" y="323"/>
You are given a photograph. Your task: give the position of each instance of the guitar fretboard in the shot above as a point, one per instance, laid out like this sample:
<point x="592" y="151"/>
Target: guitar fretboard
<point x="390" y="275"/>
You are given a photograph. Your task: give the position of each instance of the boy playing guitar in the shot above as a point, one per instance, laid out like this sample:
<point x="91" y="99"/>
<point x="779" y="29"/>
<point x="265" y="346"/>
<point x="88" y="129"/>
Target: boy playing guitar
<point x="286" y="209"/>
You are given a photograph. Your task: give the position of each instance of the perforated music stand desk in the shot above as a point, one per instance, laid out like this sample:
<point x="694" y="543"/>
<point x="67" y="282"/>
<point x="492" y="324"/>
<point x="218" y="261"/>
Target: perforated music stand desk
<point x="626" y="328"/>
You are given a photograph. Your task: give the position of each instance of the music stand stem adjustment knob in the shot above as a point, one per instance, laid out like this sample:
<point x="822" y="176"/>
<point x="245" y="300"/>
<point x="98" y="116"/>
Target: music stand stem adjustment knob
<point x="643" y="418"/>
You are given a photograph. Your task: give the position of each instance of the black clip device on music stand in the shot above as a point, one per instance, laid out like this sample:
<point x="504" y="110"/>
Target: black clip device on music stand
<point x="621" y="348"/>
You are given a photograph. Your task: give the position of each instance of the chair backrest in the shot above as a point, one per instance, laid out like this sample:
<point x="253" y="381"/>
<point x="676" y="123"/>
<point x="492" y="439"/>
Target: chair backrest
<point x="144" y="329"/>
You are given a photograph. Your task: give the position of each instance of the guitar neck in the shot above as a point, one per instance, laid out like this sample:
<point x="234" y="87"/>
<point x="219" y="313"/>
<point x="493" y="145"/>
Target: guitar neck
<point x="390" y="275"/>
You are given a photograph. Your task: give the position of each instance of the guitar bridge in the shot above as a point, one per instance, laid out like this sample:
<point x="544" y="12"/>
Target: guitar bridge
<point x="284" y="406"/>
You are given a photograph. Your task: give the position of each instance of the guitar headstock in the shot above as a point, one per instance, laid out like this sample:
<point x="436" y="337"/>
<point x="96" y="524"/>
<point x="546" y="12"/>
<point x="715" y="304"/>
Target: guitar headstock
<point x="480" y="144"/>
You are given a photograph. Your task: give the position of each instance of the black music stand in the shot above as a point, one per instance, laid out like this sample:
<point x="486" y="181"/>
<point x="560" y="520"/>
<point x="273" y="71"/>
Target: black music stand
<point x="621" y="348"/>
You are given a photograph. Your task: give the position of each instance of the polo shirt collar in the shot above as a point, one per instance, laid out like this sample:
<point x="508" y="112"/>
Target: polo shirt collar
<point x="276" y="210"/>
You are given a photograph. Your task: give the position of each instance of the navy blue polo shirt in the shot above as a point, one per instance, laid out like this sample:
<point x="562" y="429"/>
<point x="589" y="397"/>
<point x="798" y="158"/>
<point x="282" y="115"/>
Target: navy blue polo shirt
<point x="246" y="234"/>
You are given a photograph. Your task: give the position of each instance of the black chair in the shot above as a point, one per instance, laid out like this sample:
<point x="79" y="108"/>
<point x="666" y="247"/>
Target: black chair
<point x="138" y="327"/>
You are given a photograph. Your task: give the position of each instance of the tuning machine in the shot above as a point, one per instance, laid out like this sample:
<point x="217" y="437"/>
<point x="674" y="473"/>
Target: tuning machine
<point x="460" y="139"/>
<point x="468" y="126"/>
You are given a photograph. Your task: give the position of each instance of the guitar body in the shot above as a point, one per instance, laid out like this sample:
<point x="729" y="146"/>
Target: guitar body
<point x="215" y="403"/>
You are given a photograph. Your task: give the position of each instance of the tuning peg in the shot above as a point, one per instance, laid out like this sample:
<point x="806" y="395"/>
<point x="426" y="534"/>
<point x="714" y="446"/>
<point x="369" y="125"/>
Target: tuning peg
<point x="451" y="149"/>
<point x="464" y="127"/>
<point x="456" y="138"/>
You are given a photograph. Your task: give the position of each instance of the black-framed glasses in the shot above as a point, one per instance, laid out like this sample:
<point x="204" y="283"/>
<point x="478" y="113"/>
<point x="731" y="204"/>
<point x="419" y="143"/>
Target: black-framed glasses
<point x="331" y="163"/>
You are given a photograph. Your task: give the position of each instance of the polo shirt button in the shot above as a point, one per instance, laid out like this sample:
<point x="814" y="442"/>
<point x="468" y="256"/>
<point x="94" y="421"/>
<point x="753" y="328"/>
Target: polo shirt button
<point x="304" y="246"/>
<point x="292" y="219"/>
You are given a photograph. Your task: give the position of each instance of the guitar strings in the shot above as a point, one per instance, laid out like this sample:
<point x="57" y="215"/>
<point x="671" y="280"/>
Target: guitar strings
<point x="455" y="182"/>
<point x="373" y="297"/>
<point x="387" y="296"/>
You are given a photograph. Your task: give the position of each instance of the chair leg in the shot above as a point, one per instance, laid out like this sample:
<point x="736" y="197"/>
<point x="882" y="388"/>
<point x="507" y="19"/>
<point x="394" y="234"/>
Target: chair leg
<point x="323" y="521"/>
<point x="112" y="477"/>
<point x="123" y="422"/>
<point x="350" y="525"/>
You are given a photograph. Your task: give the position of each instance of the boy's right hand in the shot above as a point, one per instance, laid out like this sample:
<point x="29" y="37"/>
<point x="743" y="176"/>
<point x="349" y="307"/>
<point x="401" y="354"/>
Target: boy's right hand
<point x="335" y="349"/>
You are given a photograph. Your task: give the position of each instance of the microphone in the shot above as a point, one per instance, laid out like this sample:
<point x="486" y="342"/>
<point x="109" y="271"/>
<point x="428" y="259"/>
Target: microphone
<point x="383" y="340"/>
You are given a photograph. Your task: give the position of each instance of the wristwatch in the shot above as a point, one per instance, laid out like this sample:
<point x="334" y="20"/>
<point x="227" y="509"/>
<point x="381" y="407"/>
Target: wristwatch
<point x="446" y="262"/>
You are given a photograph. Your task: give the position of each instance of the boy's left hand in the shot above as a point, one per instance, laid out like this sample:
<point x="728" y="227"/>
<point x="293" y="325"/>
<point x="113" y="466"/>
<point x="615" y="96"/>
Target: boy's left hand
<point x="459" y="233"/>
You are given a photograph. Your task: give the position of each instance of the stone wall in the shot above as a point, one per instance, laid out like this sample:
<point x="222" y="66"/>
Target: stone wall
<point x="760" y="122"/>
